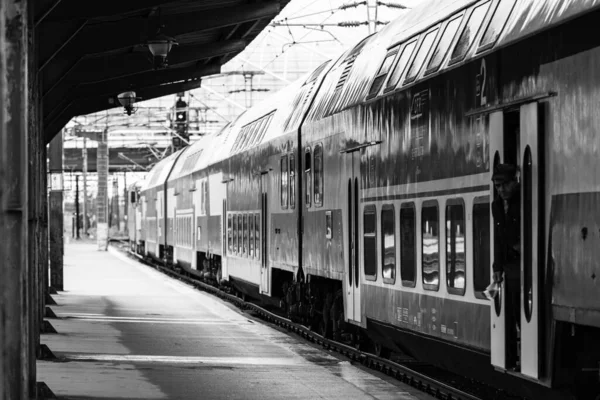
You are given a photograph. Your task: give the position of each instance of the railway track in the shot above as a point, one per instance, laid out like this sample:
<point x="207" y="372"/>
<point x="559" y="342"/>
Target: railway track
<point x="413" y="373"/>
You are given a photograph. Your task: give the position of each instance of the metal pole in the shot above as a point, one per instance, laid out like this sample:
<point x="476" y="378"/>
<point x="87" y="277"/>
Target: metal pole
<point x="77" y="226"/>
<point x="56" y="213"/>
<point x="102" y="197"/>
<point x="14" y="212"/>
<point x="85" y="199"/>
<point x="125" y="203"/>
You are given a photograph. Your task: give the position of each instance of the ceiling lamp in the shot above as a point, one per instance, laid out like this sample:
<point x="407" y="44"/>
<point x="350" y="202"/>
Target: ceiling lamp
<point x="159" y="47"/>
<point x="127" y="99"/>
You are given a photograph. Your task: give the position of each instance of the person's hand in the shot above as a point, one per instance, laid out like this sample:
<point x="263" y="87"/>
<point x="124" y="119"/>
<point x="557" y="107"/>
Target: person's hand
<point x="498" y="276"/>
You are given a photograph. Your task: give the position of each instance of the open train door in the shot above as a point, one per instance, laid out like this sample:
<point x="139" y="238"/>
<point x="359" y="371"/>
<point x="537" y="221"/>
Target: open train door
<point x="497" y="314"/>
<point x="352" y="281"/>
<point x="264" y="224"/>
<point x="532" y="234"/>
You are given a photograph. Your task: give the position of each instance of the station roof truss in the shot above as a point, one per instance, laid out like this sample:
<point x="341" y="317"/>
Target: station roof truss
<point x="90" y="51"/>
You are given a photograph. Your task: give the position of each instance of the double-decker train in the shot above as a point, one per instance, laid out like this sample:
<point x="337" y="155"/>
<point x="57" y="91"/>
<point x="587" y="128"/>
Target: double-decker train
<point x="358" y="198"/>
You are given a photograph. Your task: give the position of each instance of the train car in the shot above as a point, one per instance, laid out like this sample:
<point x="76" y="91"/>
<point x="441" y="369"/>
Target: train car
<point x="156" y="215"/>
<point x="453" y="94"/>
<point x="256" y="215"/>
<point x="387" y="230"/>
<point x="199" y="195"/>
<point x="134" y="216"/>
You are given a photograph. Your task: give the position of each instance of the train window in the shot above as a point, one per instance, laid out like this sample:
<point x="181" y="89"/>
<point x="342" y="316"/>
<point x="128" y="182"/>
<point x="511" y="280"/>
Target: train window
<point x="245" y="234"/>
<point x="481" y="245"/>
<point x="240" y="237"/>
<point x="307" y="176"/>
<point x="229" y="233"/>
<point x="370" y="242"/>
<point x="235" y="234"/>
<point x="401" y="65"/>
<point x="496" y="24"/>
<point x="382" y="73"/>
<point x="408" y="259"/>
<point x="205" y="196"/>
<point x="430" y="249"/>
<point x="263" y="128"/>
<point x="251" y="235"/>
<point x="443" y="45"/>
<point x="292" y="182"/>
<point x="456" y="271"/>
<point x="469" y="33"/>
<point x="283" y="186"/>
<point x="318" y="172"/>
<point x="388" y="243"/>
<point x="419" y="59"/>
<point x="247" y="133"/>
<point x="257" y="234"/>
<point x="251" y="133"/>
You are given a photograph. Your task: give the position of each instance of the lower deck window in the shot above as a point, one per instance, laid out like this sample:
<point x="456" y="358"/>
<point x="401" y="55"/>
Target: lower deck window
<point x="430" y="250"/>
<point x="370" y="242"/>
<point x="388" y="244"/>
<point x="455" y="246"/>
<point x="408" y="267"/>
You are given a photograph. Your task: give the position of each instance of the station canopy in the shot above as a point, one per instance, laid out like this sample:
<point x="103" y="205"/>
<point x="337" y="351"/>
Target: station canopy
<point x="89" y="52"/>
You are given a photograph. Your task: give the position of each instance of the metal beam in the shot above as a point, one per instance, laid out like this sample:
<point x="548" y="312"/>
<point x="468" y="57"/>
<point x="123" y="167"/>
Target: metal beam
<point x="45" y="12"/>
<point x="105" y="8"/>
<point x="94" y="70"/>
<point x="62" y="35"/>
<point x="111" y="36"/>
<point x="101" y="92"/>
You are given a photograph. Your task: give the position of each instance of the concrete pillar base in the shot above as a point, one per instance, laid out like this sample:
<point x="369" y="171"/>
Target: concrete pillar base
<point x="47" y="327"/>
<point x="49" y="300"/>
<point x="44" y="353"/>
<point x="44" y="392"/>
<point x="48" y="313"/>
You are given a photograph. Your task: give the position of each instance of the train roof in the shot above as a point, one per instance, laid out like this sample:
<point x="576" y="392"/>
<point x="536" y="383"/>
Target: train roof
<point x="367" y="70"/>
<point x="159" y="173"/>
<point x="278" y="114"/>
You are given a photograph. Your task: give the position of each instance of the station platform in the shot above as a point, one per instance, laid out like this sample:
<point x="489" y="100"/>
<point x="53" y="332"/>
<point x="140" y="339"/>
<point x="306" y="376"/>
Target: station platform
<point x="126" y="331"/>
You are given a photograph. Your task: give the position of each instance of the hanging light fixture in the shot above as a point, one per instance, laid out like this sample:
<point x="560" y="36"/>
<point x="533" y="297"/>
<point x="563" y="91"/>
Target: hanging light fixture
<point x="127" y="99"/>
<point x="160" y="46"/>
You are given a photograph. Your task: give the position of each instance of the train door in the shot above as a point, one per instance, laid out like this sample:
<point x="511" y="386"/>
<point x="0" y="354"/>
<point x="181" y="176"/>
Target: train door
<point x="515" y="138"/>
<point x="226" y="234"/>
<point x="264" y="217"/>
<point x="497" y="311"/>
<point x="532" y="234"/>
<point x="353" y="306"/>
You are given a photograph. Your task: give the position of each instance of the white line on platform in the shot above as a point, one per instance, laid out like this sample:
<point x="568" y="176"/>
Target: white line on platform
<point x="188" y="359"/>
<point x="157" y="321"/>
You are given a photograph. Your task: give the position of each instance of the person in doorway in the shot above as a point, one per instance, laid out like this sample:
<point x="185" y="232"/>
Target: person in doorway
<point x="506" y="210"/>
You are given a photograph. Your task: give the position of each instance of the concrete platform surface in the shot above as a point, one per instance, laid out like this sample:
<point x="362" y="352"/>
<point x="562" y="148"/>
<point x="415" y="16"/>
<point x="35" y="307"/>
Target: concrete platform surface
<point x="126" y="331"/>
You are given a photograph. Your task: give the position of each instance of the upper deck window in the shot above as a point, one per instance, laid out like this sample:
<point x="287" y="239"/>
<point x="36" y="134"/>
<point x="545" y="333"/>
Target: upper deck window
<point x="417" y="63"/>
<point x="383" y="71"/>
<point x="496" y="25"/>
<point x="284" y="182"/>
<point x="443" y="45"/>
<point x="398" y="70"/>
<point x="470" y="31"/>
